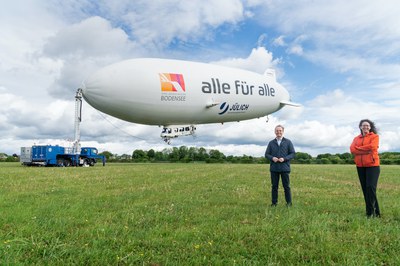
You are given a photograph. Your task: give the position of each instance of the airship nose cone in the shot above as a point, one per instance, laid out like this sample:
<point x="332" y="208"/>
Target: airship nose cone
<point x="97" y="90"/>
<point x="91" y="93"/>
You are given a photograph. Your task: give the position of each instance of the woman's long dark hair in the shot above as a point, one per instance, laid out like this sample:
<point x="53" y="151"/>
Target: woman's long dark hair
<point x="372" y="125"/>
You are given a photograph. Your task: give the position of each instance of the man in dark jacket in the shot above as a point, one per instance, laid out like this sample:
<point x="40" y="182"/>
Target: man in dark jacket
<point x="279" y="152"/>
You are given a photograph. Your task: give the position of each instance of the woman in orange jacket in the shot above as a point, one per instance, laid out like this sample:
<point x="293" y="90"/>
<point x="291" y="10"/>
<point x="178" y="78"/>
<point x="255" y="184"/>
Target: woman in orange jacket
<point x="365" y="150"/>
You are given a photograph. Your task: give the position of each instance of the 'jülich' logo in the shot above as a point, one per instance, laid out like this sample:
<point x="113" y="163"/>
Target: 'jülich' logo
<point x="223" y="107"/>
<point x="235" y="108"/>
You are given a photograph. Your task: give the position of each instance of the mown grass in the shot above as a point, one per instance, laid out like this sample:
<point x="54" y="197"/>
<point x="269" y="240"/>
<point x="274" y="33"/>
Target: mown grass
<point x="193" y="214"/>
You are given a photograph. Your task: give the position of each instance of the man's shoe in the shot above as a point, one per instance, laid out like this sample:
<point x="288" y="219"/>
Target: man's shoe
<point x="273" y="205"/>
<point x="289" y="204"/>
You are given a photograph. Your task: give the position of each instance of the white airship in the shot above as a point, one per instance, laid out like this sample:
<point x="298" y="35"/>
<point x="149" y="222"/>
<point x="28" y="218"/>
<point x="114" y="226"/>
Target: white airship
<point x="178" y="95"/>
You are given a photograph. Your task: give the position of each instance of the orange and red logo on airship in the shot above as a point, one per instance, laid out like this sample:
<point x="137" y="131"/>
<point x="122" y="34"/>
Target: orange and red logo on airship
<point x="172" y="82"/>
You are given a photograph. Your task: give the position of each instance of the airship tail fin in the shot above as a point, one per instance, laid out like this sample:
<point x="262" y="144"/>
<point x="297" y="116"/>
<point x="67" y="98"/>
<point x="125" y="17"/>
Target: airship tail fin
<point x="283" y="103"/>
<point x="270" y="72"/>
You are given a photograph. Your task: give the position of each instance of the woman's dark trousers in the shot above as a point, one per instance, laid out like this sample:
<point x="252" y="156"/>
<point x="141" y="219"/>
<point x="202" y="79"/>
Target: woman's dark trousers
<point x="369" y="180"/>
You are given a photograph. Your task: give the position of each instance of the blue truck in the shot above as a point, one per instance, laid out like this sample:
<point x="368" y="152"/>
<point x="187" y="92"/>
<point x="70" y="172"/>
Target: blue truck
<point x="54" y="155"/>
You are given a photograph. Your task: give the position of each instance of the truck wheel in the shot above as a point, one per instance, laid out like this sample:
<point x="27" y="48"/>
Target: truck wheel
<point x="85" y="163"/>
<point x="67" y="163"/>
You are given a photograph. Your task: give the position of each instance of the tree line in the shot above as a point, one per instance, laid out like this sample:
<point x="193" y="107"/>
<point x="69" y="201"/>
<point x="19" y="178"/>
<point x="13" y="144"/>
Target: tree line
<point x="185" y="154"/>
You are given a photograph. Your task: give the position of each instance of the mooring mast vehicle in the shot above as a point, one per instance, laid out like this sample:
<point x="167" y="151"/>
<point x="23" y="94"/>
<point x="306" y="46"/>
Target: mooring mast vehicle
<point x="55" y="155"/>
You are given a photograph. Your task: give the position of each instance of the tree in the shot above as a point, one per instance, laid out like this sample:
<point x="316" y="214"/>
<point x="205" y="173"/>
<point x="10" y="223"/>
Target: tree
<point x="303" y="155"/>
<point x="106" y="154"/>
<point x="139" y="155"/>
<point x="202" y="154"/>
<point x="335" y="159"/>
<point x="324" y="155"/>
<point x="11" y="159"/>
<point x="216" y="156"/>
<point x="303" y="158"/>
<point x="160" y="156"/>
<point x="325" y="161"/>
<point x="151" y="154"/>
<point x="174" y="155"/>
<point x="183" y="152"/>
<point x="246" y="159"/>
<point x="193" y="154"/>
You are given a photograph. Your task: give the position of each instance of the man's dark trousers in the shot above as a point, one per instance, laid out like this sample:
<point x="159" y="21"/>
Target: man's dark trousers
<point x="286" y="186"/>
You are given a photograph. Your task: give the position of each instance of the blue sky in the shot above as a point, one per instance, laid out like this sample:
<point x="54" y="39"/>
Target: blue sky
<point x="340" y="61"/>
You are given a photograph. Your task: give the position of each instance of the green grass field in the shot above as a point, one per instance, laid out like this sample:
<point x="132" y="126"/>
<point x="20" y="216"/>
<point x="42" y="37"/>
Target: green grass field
<point x="193" y="214"/>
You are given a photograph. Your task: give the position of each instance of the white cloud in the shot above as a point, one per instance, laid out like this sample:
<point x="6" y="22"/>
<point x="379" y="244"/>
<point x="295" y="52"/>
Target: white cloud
<point x="331" y="121"/>
<point x="346" y="36"/>
<point x="91" y="37"/>
<point x="160" y="22"/>
<point x="23" y="27"/>
<point x="258" y="61"/>
<point x="82" y="48"/>
<point x="296" y="49"/>
<point x="261" y="40"/>
<point x="280" y="41"/>
<point x="390" y="140"/>
<point x="340" y="108"/>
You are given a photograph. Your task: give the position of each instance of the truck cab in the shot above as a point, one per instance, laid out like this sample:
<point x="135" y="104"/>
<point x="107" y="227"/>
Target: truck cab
<point x="89" y="156"/>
